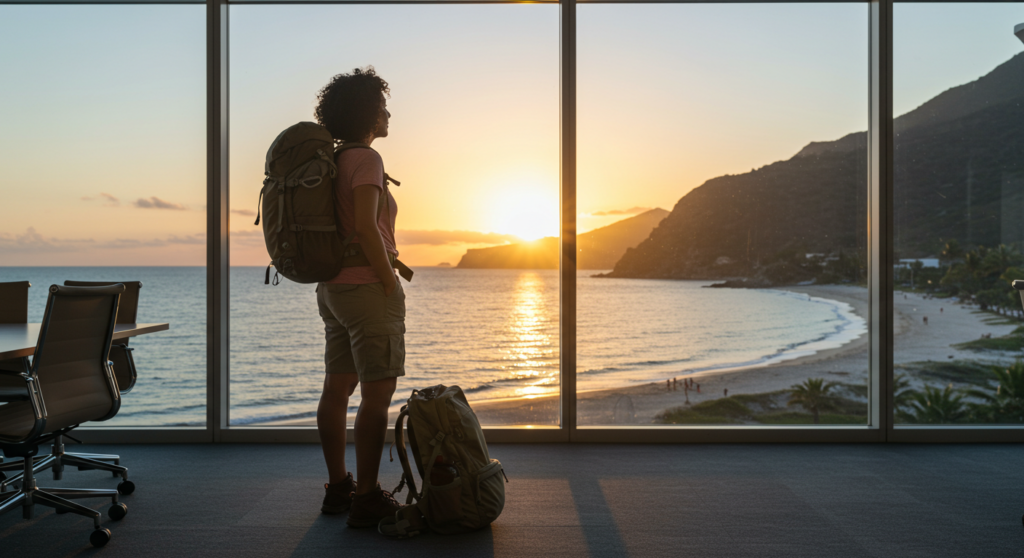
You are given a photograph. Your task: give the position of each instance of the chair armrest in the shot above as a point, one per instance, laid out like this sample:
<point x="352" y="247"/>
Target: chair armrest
<point x="13" y="387"/>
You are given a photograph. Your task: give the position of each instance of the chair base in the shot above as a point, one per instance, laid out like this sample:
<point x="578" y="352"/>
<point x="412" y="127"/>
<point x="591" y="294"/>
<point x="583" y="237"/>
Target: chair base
<point x="61" y="499"/>
<point x="58" y="458"/>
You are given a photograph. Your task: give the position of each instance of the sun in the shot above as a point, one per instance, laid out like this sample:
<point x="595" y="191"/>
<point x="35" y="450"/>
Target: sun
<point x="526" y="212"/>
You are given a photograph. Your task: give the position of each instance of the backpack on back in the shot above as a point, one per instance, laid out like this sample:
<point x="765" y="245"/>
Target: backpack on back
<point x="300" y="222"/>
<point x="445" y="433"/>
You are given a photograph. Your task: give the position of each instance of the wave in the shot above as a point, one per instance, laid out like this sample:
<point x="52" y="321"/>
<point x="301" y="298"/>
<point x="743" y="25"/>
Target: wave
<point x="268" y="418"/>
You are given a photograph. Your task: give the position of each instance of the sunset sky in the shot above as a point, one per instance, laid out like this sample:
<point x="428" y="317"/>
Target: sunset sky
<point x="102" y="110"/>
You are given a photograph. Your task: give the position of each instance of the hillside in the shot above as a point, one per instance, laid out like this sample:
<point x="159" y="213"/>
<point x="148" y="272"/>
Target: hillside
<point x="959" y="174"/>
<point x="597" y="249"/>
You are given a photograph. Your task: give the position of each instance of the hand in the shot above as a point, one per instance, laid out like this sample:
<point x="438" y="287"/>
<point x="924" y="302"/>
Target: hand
<point x="390" y="286"/>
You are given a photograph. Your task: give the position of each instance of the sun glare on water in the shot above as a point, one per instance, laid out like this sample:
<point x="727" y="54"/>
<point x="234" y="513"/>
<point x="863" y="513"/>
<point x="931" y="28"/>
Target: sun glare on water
<point x="528" y="213"/>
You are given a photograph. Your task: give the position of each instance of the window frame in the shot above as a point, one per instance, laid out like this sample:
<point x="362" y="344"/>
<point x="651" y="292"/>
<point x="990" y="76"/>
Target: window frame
<point x="880" y="426"/>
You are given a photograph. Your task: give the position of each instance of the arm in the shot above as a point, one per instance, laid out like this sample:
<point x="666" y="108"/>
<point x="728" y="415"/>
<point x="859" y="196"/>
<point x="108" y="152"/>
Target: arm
<point x="366" y="198"/>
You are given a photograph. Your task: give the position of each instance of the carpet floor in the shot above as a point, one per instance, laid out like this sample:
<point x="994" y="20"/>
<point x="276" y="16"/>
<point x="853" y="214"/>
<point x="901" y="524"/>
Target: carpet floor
<point x="568" y="500"/>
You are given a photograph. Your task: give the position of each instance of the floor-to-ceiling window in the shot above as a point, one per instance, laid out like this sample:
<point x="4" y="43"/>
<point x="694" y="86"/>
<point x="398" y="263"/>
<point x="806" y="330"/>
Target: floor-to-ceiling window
<point x="722" y="214"/>
<point x="103" y="158"/>
<point x="958" y="103"/>
<point x="474" y="141"/>
<point x="721" y="203"/>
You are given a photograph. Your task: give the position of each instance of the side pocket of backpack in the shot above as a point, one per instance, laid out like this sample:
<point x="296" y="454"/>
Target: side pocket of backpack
<point x="490" y="492"/>
<point x="443" y="505"/>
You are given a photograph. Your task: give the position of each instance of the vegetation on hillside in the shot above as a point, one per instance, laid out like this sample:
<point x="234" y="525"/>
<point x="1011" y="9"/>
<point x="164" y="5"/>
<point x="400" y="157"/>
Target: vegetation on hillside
<point x="982" y="275"/>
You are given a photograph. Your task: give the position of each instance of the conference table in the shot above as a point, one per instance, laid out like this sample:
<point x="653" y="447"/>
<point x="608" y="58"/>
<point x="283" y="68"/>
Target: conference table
<point x="19" y="340"/>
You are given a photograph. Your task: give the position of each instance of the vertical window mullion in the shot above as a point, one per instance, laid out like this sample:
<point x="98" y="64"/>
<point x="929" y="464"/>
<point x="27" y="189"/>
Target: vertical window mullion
<point x="217" y="217"/>
<point x="567" y="265"/>
<point x="880" y="211"/>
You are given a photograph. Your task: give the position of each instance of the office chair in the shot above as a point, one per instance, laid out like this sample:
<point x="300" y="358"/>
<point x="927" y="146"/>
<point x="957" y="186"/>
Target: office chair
<point x="70" y="382"/>
<point x="124" y="374"/>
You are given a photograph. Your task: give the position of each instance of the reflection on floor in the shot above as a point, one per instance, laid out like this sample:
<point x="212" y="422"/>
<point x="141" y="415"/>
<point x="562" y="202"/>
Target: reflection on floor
<point x="582" y="500"/>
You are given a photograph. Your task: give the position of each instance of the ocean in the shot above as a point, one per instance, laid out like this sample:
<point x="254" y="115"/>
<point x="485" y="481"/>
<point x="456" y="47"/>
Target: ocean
<point x="495" y="333"/>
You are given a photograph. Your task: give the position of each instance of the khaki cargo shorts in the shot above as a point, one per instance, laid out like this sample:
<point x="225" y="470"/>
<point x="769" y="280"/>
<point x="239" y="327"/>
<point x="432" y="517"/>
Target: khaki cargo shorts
<point x="365" y="330"/>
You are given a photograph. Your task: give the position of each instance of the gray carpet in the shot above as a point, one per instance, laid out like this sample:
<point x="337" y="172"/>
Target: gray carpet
<point x="576" y="500"/>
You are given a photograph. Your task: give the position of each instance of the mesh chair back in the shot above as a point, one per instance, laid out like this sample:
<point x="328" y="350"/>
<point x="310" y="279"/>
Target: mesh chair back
<point x="128" y="308"/>
<point x="70" y="362"/>
<point x="14" y="302"/>
<point x="127" y="313"/>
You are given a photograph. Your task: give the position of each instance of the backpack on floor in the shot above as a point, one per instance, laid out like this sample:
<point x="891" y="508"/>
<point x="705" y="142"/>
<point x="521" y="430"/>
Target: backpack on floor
<point x="300" y="224"/>
<point x="446" y="442"/>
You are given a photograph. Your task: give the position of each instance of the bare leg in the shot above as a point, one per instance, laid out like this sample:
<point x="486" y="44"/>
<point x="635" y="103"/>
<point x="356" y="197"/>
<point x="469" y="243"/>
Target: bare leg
<point x="331" y="418"/>
<point x="370" y="429"/>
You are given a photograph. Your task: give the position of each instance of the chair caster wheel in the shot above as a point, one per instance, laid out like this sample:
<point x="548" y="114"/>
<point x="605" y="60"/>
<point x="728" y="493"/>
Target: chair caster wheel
<point x="126" y="487"/>
<point x="99" y="537"/>
<point x="117" y="511"/>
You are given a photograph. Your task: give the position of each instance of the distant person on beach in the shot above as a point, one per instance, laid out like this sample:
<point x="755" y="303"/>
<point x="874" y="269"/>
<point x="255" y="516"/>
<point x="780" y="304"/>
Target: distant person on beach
<point x="725" y="392"/>
<point x="363" y="308"/>
<point x="925" y="318"/>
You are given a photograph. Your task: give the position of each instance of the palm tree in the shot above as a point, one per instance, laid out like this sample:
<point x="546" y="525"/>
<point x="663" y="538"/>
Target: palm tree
<point x="1000" y="258"/>
<point x="1006" y="405"/>
<point x="814" y="396"/>
<point x="938" y="407"/>
<point x="951" y="253"/>
<point x="902" y="394"/>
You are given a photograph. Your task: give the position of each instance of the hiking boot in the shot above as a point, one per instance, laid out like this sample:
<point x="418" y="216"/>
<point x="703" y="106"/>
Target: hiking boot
<point x="339" y="496"/>
<point x="368" y="509"/>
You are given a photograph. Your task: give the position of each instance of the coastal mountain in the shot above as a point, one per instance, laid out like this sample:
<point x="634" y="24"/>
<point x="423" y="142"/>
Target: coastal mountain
<point x="597" y="249"/>
<point x="959" y="174"/>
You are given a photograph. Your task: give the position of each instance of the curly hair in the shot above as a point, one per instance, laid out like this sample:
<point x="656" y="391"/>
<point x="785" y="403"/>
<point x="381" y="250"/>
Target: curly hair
<point x="349" y="105"/>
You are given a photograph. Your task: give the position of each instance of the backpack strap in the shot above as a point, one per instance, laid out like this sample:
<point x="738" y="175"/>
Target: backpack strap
<point x="403" y="457"/>
<point x="382" y="202"/>
<point x="353" y="254"/>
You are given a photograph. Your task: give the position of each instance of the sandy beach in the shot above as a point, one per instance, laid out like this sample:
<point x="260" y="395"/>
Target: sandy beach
<point x="916" y="340"/>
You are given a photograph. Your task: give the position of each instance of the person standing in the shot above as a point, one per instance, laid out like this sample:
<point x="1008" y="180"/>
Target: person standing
<point x="363" y="307"/>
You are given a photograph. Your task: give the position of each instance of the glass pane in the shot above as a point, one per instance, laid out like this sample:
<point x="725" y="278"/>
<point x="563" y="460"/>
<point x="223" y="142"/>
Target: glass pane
<point x="958" y="87"/>
<point x="722" y="145"/>
<point x="103" y="147"/>
<point x="474" y="141"/>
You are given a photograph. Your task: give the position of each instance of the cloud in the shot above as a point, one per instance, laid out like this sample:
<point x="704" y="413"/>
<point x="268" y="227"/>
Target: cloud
<point x="630" y="211"/>
<point x="121" y="243"/>
<point x="109" y="200"/>
<point x="438" y="238"/>
<point x="246" y="212"/>
<point x="157" y="203"/>
<point x="187" y="239"/>
<point x="34" y="242"/>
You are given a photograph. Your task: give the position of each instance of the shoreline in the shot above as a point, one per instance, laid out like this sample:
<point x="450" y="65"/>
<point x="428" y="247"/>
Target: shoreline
<point x="848" y="363"/>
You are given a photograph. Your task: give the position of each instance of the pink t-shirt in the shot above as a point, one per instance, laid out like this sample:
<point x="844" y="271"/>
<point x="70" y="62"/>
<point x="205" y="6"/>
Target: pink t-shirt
<point x="358" y="167"/>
